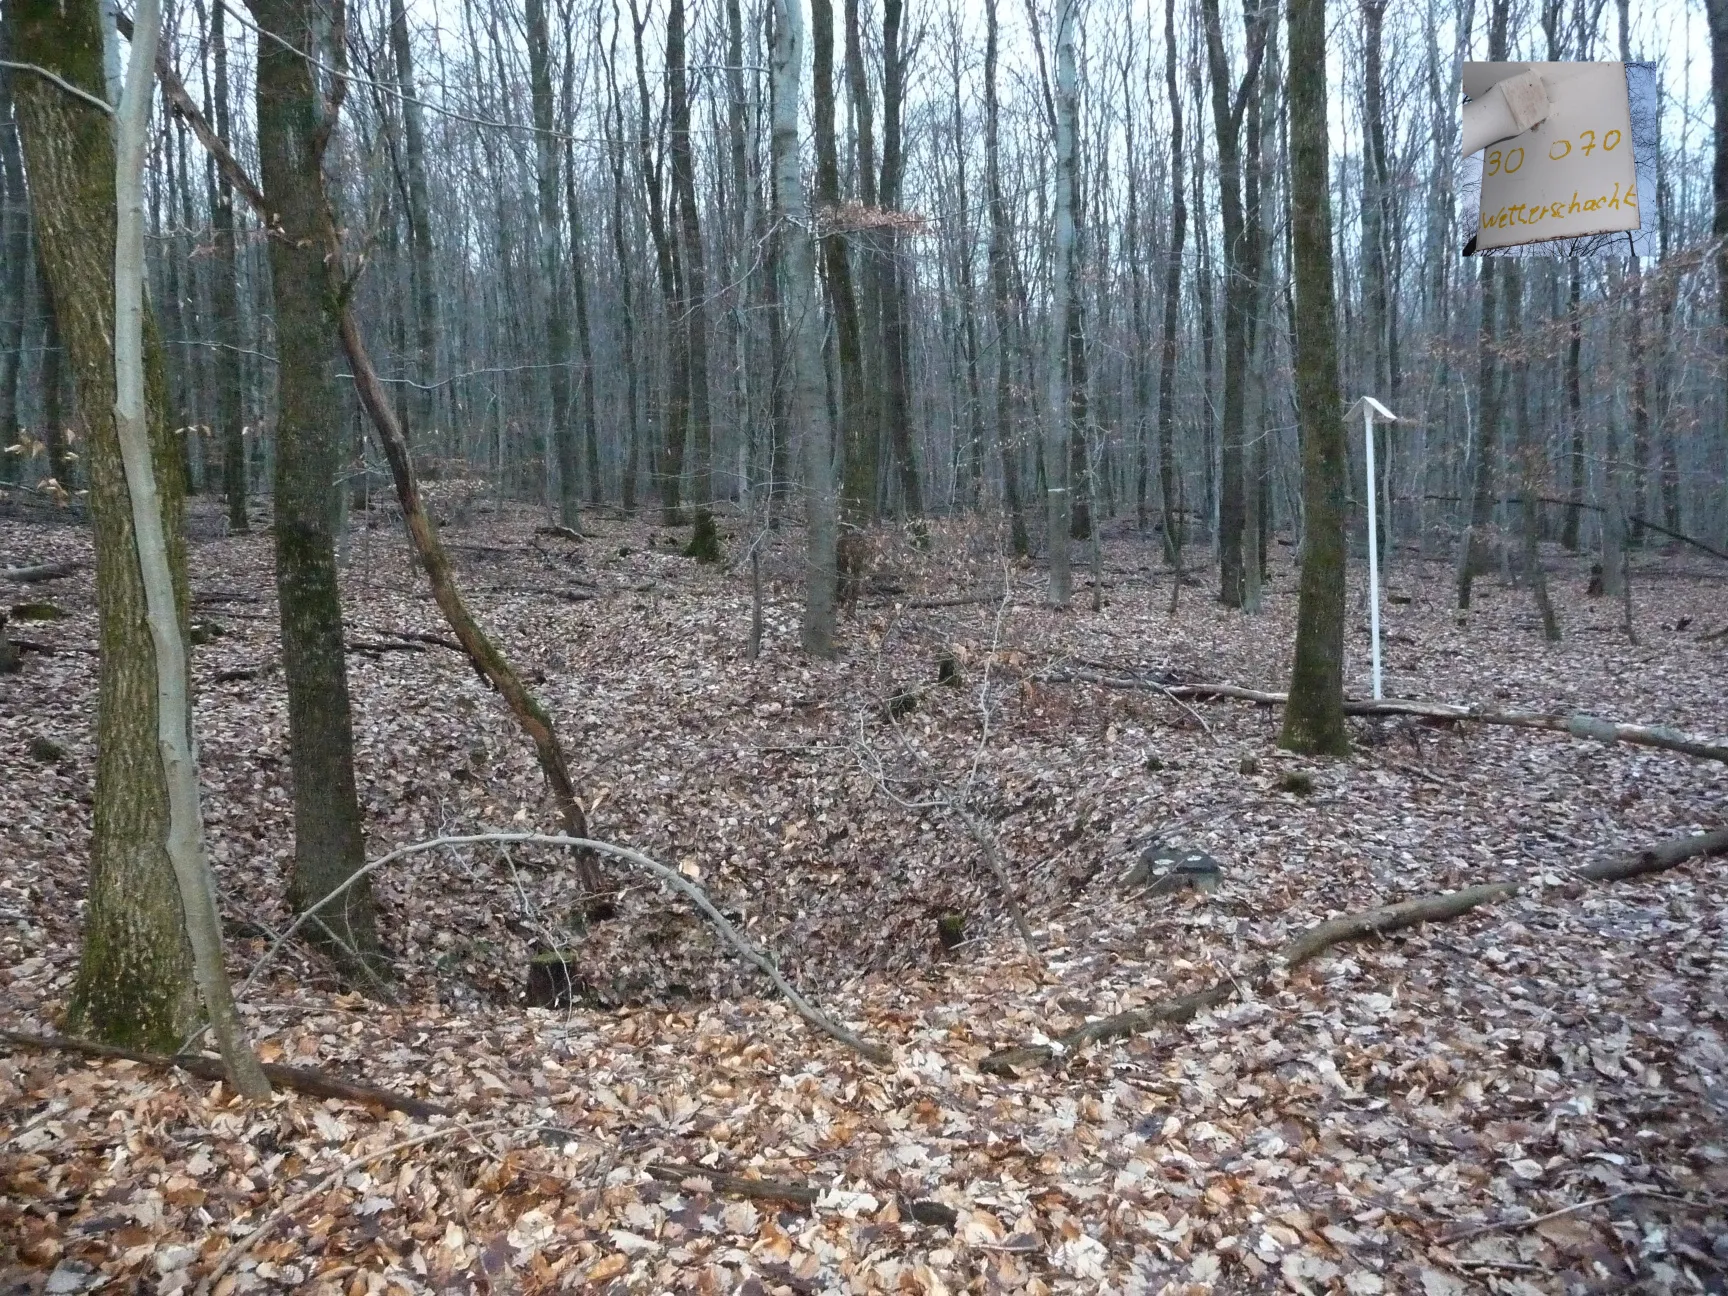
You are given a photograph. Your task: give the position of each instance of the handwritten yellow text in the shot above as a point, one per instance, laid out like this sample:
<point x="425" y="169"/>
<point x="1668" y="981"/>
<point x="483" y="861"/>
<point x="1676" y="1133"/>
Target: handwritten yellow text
<point x="1536" y="213"/>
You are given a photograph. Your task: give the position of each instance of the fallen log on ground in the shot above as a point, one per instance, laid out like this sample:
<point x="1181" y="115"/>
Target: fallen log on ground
<point x="319" y="1084"/>
<point x="1340" y="931"/>
<point x="1576" y="724"/>
<point x="42" y="571"/>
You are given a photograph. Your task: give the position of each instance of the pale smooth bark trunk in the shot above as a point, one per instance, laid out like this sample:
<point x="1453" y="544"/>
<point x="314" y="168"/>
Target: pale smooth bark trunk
<point x="173" y="668"/>
<point x="807" y="400"/>
<point x="1059" y="507"/>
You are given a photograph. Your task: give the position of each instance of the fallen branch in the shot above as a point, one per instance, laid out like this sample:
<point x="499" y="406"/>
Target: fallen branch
<point x="960" y="600"/>
<point x="1530" y="1221"/>
<point x="378" y="647"/>
<point x="1576" y="724"/>
<point x="560" y="532"/>
<point x="420" y="636"/>
<point x="1304" y="948"/>
<point x="319" y="1084"/>
<point x="926" y="1210"/>
<point x="1338" y="931"/>
<point x="42" y="571"/>
<point x="737" y="1185"/>
<point x="1658" y="858"/>
<point x="757" y="959"/>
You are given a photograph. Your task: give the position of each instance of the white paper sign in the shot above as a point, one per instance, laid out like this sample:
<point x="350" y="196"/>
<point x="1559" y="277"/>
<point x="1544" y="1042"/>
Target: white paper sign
<point x="1569" y="175"/>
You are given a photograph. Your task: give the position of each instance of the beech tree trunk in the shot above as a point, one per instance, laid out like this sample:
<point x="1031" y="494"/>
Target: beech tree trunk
<point x="1058" y="483"/>
<point x="552" y="282"/>
<point x="692" y="307"/>
<point x="807" y="404"/>
<point x="230" y="398"/>
<point x="168" y="632"/>
<point x="294" y="126"/>
<point x="1167" y="479"/>
<point x="12" y="273"/>
<point x="857" y="434"/>
<point x="135" y="986"/>
<point x="1314" y="718"/>
<point x="423" y="292"/>
<point x="1000" y="292"/>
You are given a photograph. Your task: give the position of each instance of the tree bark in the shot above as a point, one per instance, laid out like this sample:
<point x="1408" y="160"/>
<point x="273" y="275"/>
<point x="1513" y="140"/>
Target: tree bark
<point x="897" y="410"/>
<point x="134" y="986"/>
<point x="546" y="152"/>
<point x="1227" y="109"/>
<point x="626" y="283"/>
<point x="1000" y="292"/>
<point x="170" y="660"/>
<point x="1167" y="479"/>
<point x="675" y="409"/>
<point x="230" y="396"/>
<point x="857" y="430"/>
<point x="1475" y="553"/>
<point x="12" y="275"/>
<point x="807" y="404"/>
<point x="1574" y="408"/>
<point x="1314" y="720"/>
<point x="294" y="126"/>
<point x="692" y="305"/>
<point x="422" y="288"/>
<point x="1057" y="462"/>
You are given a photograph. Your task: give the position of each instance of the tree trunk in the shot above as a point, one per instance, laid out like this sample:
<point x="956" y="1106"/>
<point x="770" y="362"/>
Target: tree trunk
<point x="16" y="214"/>
<point x="1475" y="553"/>
<point x="135" y="986"/>
<point x="857" y="432"/>
<point x="1000" y="293"/>
<point x="62" y="469"/>
<point x="1716" y="12"/>
<point x="1314" y="718"/>
<point x="1574" y="408"/>
<point x="1167" y="481"/>
<point x="896" y="327"/>
<point x="564" y="439"/>
<point x="294" y="126"/>
<point x="693" y="300"/>
<point x="626" y="285"/>
<point x="151" y="513"/>
<point x="423" y="290"/>
<point x="1238" y="300"/>
<point x="675" y="409"/>
<point x="807" y="403"/>
<point x="230" y="395"/>
<point x="1057" y="463"/>
<point x="1529" y="466"/>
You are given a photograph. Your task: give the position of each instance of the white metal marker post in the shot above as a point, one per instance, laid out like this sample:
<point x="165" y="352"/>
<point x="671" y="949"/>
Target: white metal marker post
<point x="1373" y="412"/>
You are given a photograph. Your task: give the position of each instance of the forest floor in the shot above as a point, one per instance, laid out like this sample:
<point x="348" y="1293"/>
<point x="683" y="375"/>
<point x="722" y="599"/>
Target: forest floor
<point x="1532" y="1098"/>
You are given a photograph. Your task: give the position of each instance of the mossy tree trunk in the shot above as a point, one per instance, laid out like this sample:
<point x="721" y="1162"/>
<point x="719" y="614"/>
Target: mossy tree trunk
<point x="294" y="125"/>
<point x="134" y="985"/>
<point x="1314" y="718"/>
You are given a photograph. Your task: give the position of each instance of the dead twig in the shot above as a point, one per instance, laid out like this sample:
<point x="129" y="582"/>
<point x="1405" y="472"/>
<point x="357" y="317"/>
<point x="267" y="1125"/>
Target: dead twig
<point x="320" y="1084"/>
<point x="1530" y="1221"/>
